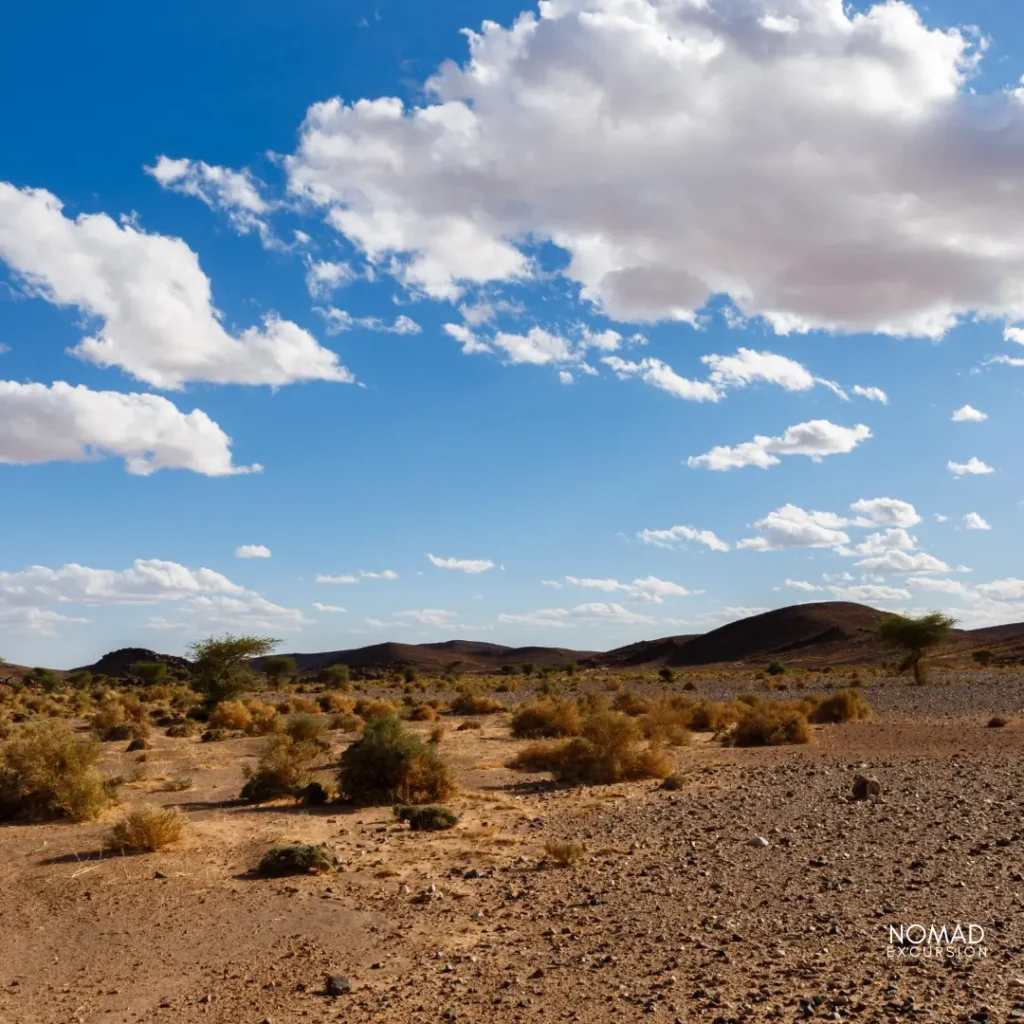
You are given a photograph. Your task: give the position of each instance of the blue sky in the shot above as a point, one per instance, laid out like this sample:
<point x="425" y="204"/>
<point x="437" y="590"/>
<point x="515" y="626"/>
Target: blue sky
<point x="623" y="317"/>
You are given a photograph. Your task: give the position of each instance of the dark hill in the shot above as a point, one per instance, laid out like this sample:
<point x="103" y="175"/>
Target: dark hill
<point x="645" y="652"/>
<point x="119" y="663"/>
<point x="474" y="656"/>
<point x="836" y="630"/>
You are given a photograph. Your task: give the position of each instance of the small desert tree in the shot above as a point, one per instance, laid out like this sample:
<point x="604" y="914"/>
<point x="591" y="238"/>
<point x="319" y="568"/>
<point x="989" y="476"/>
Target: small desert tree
<point x="220" y="665"/>
<point x="278" y="666"/>
<point x="152" y="673"/>
<point x="916" y="636"/>
<point x="983" y="657"/>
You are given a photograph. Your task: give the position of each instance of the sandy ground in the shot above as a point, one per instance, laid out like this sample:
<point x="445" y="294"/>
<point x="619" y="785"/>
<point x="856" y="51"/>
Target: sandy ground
<point x="670" y="915"/>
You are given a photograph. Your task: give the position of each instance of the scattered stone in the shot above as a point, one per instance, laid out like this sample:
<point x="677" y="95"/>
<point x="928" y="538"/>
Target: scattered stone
<point x="865" y="786"/>
<point x="337" y="985"/>
<point x="757" y="841"/>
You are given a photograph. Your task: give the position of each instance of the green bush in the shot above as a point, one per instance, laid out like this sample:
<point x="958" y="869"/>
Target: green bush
<point x="388" y="765"/>
<point x="430" y="818"/>
<point x="296" y="859"/>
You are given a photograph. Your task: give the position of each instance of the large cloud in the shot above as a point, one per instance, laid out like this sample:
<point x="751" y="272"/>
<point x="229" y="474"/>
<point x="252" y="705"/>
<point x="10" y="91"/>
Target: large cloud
<point x="824" y="167"/>
<point x="149" y="580"/>
<point x="73" y="424"/>
<point x="151" y="298"/>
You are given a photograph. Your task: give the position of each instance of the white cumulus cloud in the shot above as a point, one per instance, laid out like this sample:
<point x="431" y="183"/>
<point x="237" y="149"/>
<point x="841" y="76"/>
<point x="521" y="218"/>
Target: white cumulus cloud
<point x="815" y="439"/>
<point x="61" y="423"/>
<point x="793" y="527"/>
<point x="968" y="414"/>
<point x="784" y="154"/>
<point x="663" y="377"/>
<point x="972" y="467"/>
<point x="252" y="551"/>
<point x="149" y="298"/>
<point x="973" y="521"/>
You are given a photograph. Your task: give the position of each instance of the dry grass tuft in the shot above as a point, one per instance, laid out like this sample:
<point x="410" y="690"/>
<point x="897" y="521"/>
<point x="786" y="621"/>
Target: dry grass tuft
<point x="147" y="828"/>
<point x="546" y="717"/>
<point x="564" y="852"/>
<point x="771" y="724"/>
<point x="842" y="706"/>
<point x="470" y="703"/>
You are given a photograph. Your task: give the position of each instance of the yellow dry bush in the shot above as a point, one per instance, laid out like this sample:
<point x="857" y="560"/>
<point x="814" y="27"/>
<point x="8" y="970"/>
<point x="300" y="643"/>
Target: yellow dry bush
<point x="230" y="714"/>
<point x="147" y="828"/>
<point x="263" y="719"/>
<point x="546" y="717"/>
<point x="771" y="724"/>
<point x="46" y="772"/>
<point x="610" y="749"/>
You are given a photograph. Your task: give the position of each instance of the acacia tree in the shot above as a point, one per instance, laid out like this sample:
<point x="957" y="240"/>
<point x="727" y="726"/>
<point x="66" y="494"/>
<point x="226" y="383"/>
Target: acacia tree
<point x="916" y="636"/>
<point x="220" y="664"/>
<point x="278" y="666"/>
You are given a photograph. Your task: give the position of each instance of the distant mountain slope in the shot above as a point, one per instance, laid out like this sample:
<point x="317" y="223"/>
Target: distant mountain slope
<point x="434" y="657"/>
<point x="838" y="628"/>
<point x="818" y="633"/>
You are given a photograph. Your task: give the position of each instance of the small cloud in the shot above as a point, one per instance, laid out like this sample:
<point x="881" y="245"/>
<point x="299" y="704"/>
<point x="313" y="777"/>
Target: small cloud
<point x="320" y="607"/>
<point x="968" y="414"/>
<point x="972" y="467"/>
<point x="871" y="394"/>
<point x="469" y="565"/>
<point x="972" y="521"/>
<point x="252" y="551"/>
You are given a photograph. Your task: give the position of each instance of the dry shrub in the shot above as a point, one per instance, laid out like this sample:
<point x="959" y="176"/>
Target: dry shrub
<point x="178" y="783"/>
<point x="546" y="717"/>
<point x="470" y="703"/>
<point x="283" y="769"/>
<point x="366" y="708"/>
<point x="263" y="719"/>
<point x="713" y="716"/>
<point x="466" y="726"/>
<point x="333" y="703"/>
<point x="298" y="706"/>
<point x="183" y="729"/>
<point x="345" y="722"/>
<point x="147" y="828"/>
<point x="771" y="724"/>
<point x="120" y="718"/>
<point x="564" y="852"/>
<point x="46" y="772"/>
<point x="998" y="722"/>
<point x="422" y="713"/>
<point x="306" y="727"/>
<point x="296" y="859"/>
<point x="230" y="714"/>
<point x="436" y="735"/>
<point x="842" y="706"/>
<point x="632" y="704"/>
<point x="610" y="749"/>
<point x="388" y="765"/>
<point x="666" y="720"/>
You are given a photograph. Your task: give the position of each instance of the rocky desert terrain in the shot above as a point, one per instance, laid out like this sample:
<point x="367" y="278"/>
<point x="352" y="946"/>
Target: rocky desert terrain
<point x="757" y="889"/>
